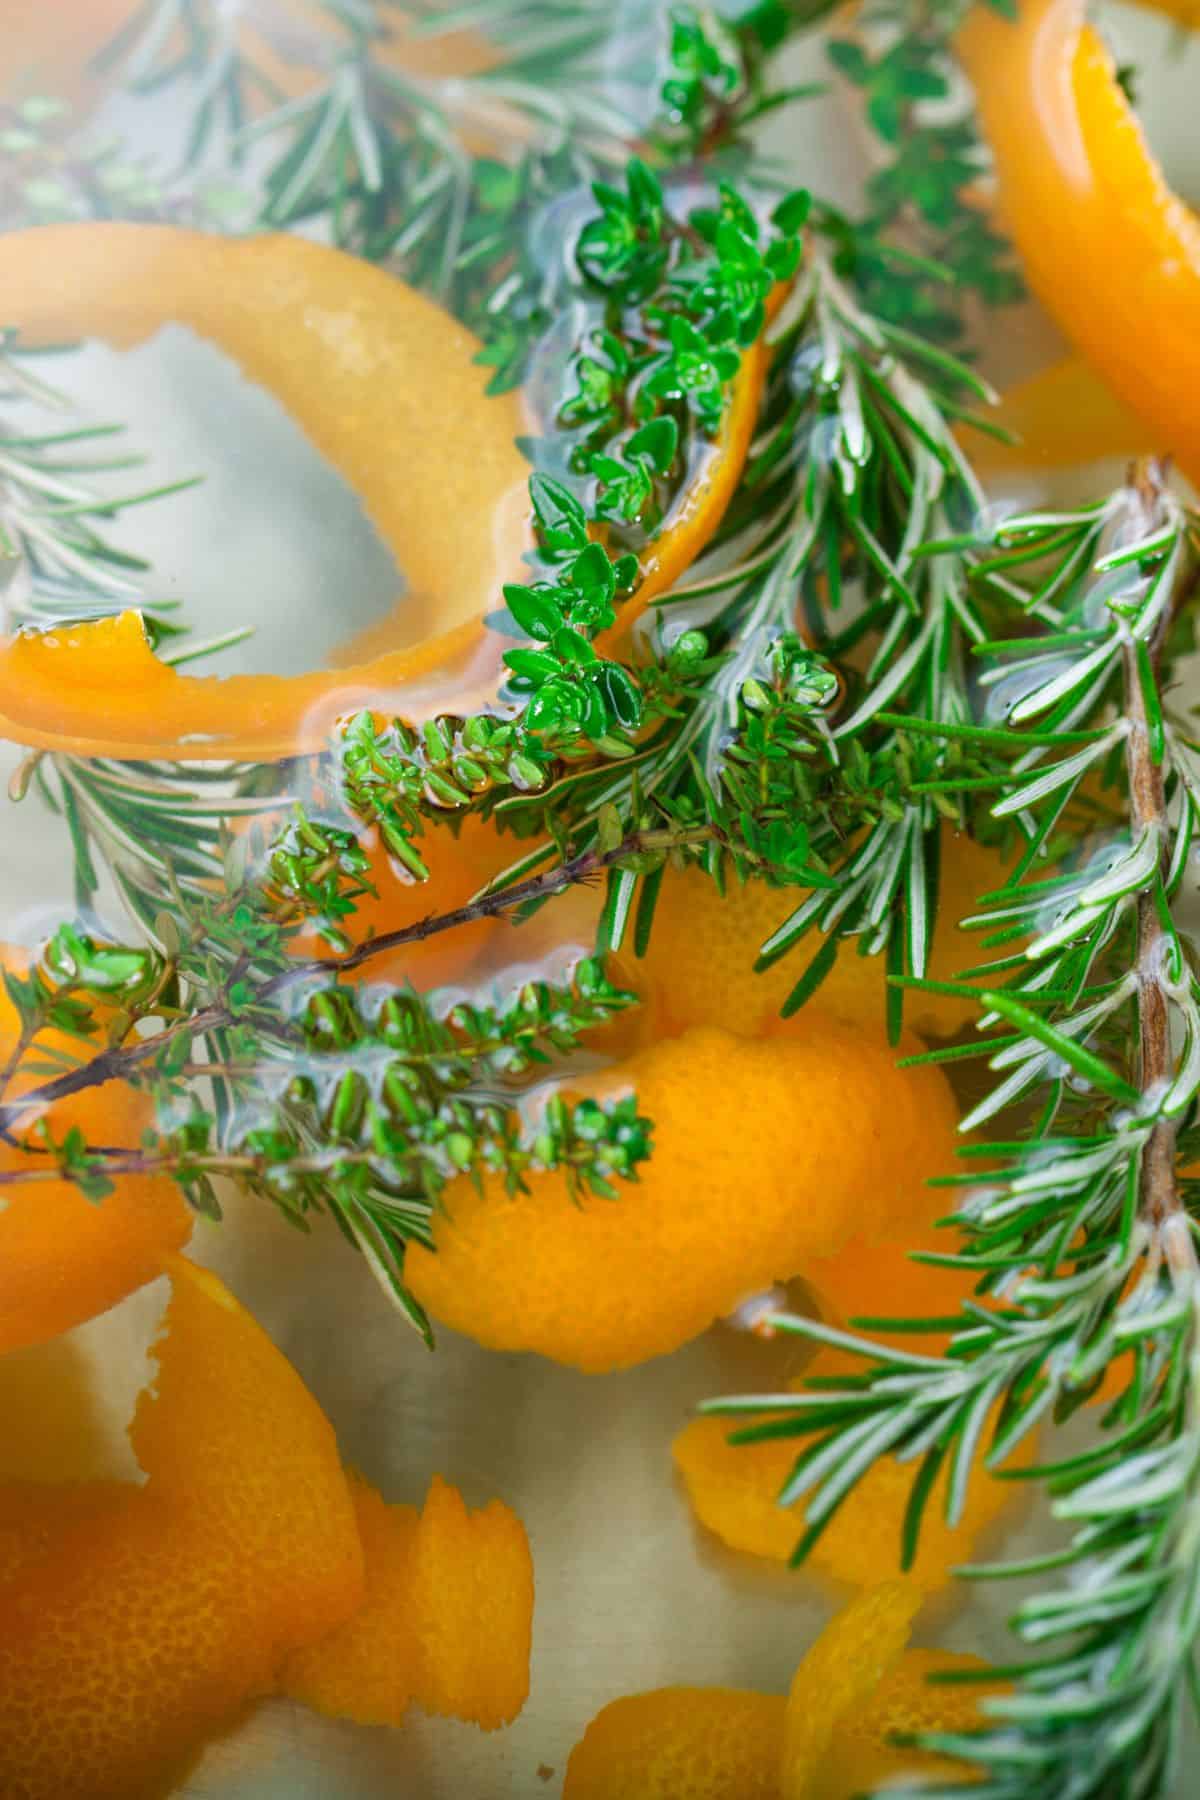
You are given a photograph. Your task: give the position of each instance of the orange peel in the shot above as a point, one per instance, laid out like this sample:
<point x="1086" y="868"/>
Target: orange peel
<point x="1062" y="417"/>
<point x="64" y="1258"/>
<point x="680" y="1743"/>
<point x="362" y="363"/>
<point x="446" y="1624"/>
<point x="854" y="1687"/>
<point x="460" y="863"/>
<point x="150" y="1615"/>
<point x="699" y="965"/>
<point x="1081" y="193"/>
<point x="752" y="1174"/>
<point x="734" y="1492"/>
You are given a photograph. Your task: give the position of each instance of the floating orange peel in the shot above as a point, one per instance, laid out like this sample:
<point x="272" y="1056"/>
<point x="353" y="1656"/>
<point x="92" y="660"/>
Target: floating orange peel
<point x="853" y="1689"/>
<point x="446" y="1624"/>
<point x="64" y="1258"/>
<point x="150" y="1616"/>
<point x="734" y="1491"/>
<point x="1110" y="251"/>
<point x="699" y="967"/>
<point x="753" y="1173"/>
<point x="138" y="1620"/>
<point x="362" y="363"/>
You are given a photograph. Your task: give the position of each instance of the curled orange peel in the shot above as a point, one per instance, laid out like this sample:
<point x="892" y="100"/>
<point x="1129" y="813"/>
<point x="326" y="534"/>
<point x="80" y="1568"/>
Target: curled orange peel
<point x="64" y="1258"/>
<point x="853" y="1688"/>
<point x="699" y="966"/>
<point x="145" y="1618"/>
<point x="1110" y="251"/>
<point x="734" y="1492"/>
<point x="138" y="1620"/>
<point x="1061" y="418"/>
<point x="446" y="1624"/>
<point x="363" y="364"/>
<point x="753" y="1173"/>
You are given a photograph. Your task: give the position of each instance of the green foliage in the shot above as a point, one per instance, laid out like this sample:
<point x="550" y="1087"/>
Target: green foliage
<point x="682" y="300"/>
<point x="932" y="162"/>
<point x="357" y="1102"/>
<point x="1078" y="1239"/>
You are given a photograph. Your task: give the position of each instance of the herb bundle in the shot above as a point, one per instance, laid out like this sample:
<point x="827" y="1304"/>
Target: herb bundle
<point x="858" y="656"/>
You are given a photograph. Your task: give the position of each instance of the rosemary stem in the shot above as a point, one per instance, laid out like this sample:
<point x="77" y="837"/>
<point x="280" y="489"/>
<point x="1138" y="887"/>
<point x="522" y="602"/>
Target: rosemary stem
<point x="1159" y="1198"/>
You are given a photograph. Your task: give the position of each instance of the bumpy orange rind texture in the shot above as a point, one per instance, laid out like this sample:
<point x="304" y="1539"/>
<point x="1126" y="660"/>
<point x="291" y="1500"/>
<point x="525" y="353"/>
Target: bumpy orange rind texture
<point x="734" y="1490"/>
<point x="154" y="1613"/>
<point x="680" y="1744"/>
<point x="64" y="1258"/>
<point x="699" y="966"/>
<point x="446" y="1624"/>
<point x="862" y="1757"/>
<point x="753" y="1172"/>
<point x="1079" y="189"/>
<point x="839" y="1676"/>
<point x="856" y="1685"/>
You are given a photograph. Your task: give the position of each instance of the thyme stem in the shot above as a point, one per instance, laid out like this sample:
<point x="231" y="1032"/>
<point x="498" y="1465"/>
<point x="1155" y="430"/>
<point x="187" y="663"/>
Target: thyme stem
<point x="120" y="1061"/>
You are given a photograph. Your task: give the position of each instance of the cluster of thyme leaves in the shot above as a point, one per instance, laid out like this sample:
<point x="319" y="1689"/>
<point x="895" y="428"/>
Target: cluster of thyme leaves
<point x="1075" y="1251"/>
<point x="355" y="1101"/>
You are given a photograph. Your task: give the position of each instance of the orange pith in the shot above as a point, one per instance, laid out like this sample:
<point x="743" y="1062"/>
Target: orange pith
<point x="1111" y="252"/>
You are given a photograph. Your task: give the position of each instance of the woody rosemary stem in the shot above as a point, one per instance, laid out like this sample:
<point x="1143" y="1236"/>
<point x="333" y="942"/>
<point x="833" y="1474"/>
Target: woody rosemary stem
<point x="1158" y="1186"/>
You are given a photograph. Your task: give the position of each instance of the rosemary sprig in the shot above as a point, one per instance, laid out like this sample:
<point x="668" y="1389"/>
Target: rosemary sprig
<point x="1080" y="1243"/>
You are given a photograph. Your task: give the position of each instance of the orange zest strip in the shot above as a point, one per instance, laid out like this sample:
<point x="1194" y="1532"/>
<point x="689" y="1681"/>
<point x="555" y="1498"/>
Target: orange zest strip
<point x="830" y="1739"/>
<point x="446" y="1623"/>
<point x="137" y="1623"/>
<point x="363" y="364"/>
<point x="139" y="1620"/>
<point x="606" y="1283"/>
<point x="1111" y="252"/>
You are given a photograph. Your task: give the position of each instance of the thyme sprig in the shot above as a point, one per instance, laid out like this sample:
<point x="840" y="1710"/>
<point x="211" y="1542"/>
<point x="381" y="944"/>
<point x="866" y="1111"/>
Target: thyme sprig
<point x="1079" y="1237"/>
<point x="323" y="1098"/>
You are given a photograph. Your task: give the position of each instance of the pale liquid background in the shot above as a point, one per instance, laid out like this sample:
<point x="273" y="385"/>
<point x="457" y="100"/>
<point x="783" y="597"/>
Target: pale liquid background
<point x="630" y="1594"/>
